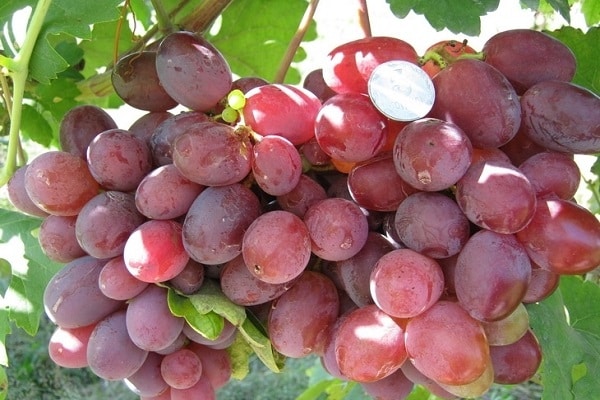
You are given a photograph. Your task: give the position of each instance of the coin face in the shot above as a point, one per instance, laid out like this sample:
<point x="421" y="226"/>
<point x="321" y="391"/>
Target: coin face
<point x="401" y="90"/>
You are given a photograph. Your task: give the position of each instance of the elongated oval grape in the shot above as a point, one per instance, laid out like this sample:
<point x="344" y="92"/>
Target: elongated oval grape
<point x="59" y="183"/>
<point x="470" y="91"/>
<point x="295" y="332"/>
<point x="58" y="239"/>
<point x="18" y="196"/>
<point x="447" y="345"/>
<point x="338" y="228"/>
<point x="349" y="128"/>
<point x="349" y="65"/>
<point x="147" y="380"/>
<point x="111" y="354"/>
<point x="105" y="223"/>
<point x="144" y="126"/>
<point x="431" y="154"/>
<point x="163" y="136"/>
<point x="562" y="237"/>
<point x="276" y="165"/>
<point x="306" y="193"/>
<point x="491" y="276"/>
<point x="431" y="224"/>
<point x="116" y="282"/>
<point x="516" y="362"/>
<point x="190" y="279"/>
<point x="118" y="160"/>
<point x="552" y="173"/>
<point x="385" y="352"/>
<point x="192" y="71"/>
<point x="214" y="226"/>
<point x="282" y="109"/>
<point x="314" y="82"/>
<point x="541" y="285"/>
<point x="405" y="283"/>
<point x="212" y="154"/>
<point x="79" y="127"/>
<point x="150" y="323"/>
<point x="496" y="196"/>
<point x="562" y="116"/>
<point x="276" y="247"/>
<point x="527" y="56"/>
<point x="154" y="251"/>
<point x="376" y="185"/>
<point x="135" y="81"/>
<point x="67" y="347"/>
<point x="72" y="298"/>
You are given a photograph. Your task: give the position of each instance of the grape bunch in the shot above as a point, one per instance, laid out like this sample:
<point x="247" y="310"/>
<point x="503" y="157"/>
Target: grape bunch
<point x="400" y="252"/>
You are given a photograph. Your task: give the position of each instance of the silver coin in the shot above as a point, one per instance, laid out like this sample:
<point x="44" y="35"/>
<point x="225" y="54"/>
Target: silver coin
<point x="401" y="90"/>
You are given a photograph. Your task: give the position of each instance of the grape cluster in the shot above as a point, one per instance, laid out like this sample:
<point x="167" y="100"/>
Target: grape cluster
<point x="399" y="252"/>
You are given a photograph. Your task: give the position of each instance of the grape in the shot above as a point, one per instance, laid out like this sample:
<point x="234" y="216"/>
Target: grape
<point x="116" y="282"/>
<point x="508" y="329"/>
<point x="163" y="136"/>
<point x="192" y="71"/>
<point x="301" y="317"/>
<point x="431" y="154"/>
<point x="212" y="154"/>
<point x="276" y="165"/>
<point x="470" y="91"/>
<point x="405" y="283"/>
<point x="516" y="362"/>
<point x="369" y="345"/>
<point x="144" y="127"/>
<point x="313" y="153"/>
<point x="72" y="298"/>
<point x="306" y="193"/>
<point x="59" y="183"/>
<point x="541" y="285"/>
<point x="338" y="229"/>
<point x="476" y="388"/>
<point x="58" y="240"/>
<point x="349" y="128"/>
<point x="68" y="346"/>
<point x="282" y="109"/>
<point x="135" y="81"/>
<point x="80" y="125"/>
<point x="491" y="276"/>
<point x="105" y="223"/>
<point x="496" y="196"/>
<point x="448" y="51"/>
<point x="243" y="288"/>
<point x="118" y="160"/>
<point x="392" y="387"/>
<point x="216" y="364"/>
<point x="490" y="154"/>
<point x="354" y="273"/>
<point x="415" y="376"/>
<point x="165" y="194"/>
<point x="166" y="395"/>
<point x="223" y="341"/>
<point x="147" y="381"/>
<point x="374" y="184"/>
<point x="431" y="224"/>
<point x="247" y="83"/>
<point x="111" y="354"/>
<point x="552" y="173"/>
<point x="349" y="65"/>
<point x="177" y="344"/>
<point x="328" y="358"/>
<point x="562" y="116"/>
<point x="150" y="323"/>
<point x="216" y="221"/>
<point x="447" y="345"/>
<point x="527" y="56"/>
<point x="314" y="82"/>
<point x="448" y="266"/>
<point x="18" y="196"/>
<point x="520" y="147"/>
<point x="154" y="251"/>
<point x="190" y="279"/>
<point x="181" y="369"/>
<point x="202" y="390"/>
<point x="562" y="237"/>
<point x="263" y="243"/>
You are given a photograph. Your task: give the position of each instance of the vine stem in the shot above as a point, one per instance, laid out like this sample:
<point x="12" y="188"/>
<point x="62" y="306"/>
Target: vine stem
<point x="162" y="17"/>
<point x="363" y="18"/>
<point x="288" y="56"/>
<point x="19" y="72"/>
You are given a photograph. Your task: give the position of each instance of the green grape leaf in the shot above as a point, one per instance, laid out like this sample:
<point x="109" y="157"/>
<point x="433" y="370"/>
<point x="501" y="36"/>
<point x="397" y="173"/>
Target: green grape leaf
<point x="567" y="325"/>
<point x="100" y="49"/>
<point x="255" y="34"/>
<point x="261" y="345"/>
<point x="71" y="17"/>
<point x="4" y="330"/>
<point x="211" y="298"/>
<point x="57" y="98"/>
<point x="563" y="8"/>
<point x="208" y="324"/>
<point x="31" y="269"/>
<point x="240" y="353"/>
<point x="35" y="127"/>
<point x="591" y="11"/>
<point x="142" y="11"/>
<point x="321" y="383"/>
<point x="585" y="48"/>
<point x="459" y="16"/>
